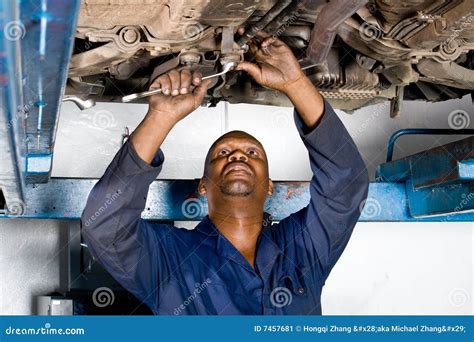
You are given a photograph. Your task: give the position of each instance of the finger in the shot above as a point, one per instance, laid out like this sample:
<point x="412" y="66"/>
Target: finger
<point x="268" y="41"/>
<point x="164" y="83"/>
<point x="257" y="52"/>
<point x="200" y="91"/>
<point x="185" y="81"/>
<point x="197" y="78"/>
<point x="155" y="84"/>
<point x="262" y="35"/>
<point x="175" y="78"/>
<point x="272" y="41"/>
<point x="252" y="69"/>
<point x="253" y="48"/>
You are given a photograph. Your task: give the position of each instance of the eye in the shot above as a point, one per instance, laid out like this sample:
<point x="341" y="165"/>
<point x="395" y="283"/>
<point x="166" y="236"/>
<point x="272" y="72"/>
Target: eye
<point x="223" y="152"/>
<point x="252" y="152"/>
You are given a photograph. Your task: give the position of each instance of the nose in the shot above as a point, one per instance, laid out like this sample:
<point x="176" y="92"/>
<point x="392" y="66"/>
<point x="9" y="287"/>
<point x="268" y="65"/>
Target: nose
<point x="237" y="155"/>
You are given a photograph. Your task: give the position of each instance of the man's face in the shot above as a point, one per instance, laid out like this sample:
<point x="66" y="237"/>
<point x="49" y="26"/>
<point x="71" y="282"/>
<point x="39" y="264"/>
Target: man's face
<point x="236" y="166"/>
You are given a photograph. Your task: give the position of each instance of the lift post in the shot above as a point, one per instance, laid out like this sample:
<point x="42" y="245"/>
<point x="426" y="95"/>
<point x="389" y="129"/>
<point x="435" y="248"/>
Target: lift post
<point x="36" y="46"/>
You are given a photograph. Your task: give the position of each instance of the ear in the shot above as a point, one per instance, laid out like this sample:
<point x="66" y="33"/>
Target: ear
<point x="270" y="187"/>
<point x="202" y="187"/>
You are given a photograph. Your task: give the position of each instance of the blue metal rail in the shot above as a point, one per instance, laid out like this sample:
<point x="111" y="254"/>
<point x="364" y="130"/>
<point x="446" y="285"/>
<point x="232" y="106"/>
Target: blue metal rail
<point x="46" y="49"/>
<point x="12" y="138"/>
<point x="65" y="198"/>
<point x="35" y="48"/>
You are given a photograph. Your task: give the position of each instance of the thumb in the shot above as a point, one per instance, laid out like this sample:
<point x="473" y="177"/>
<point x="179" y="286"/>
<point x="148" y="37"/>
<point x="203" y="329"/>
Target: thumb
<point x="200" y="91"/>
<point x="252" y="69"/>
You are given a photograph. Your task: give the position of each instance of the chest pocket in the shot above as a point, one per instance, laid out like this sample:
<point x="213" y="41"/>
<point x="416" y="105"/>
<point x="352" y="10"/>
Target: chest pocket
<point x="295" y="294"/>
<point x="294" y="282"/>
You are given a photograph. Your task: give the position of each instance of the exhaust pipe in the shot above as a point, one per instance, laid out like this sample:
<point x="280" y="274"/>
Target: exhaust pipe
<point x="332" y="15"/>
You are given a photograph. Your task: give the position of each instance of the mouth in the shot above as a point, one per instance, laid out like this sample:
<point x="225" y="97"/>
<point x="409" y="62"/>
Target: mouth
<point x="237" y="168"/>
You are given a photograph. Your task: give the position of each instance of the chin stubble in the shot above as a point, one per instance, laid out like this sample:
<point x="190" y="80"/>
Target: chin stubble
<point x="236" y="190"/>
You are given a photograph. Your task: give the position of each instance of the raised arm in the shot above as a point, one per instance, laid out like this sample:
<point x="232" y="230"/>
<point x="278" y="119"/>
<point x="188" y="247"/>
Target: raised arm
<point x="130" y="248"/>
<point x="276" y="67"/>
<point x="340" y="181"/>
<point x="182" y="93"/>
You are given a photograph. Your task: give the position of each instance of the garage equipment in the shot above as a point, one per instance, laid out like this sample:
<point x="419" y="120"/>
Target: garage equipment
<point x="35" y="49"/>
<point x="438" y="181"/>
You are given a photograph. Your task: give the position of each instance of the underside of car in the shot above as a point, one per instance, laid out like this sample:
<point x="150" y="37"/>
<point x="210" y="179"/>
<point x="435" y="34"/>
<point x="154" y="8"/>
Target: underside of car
<point x="356" y="52"/>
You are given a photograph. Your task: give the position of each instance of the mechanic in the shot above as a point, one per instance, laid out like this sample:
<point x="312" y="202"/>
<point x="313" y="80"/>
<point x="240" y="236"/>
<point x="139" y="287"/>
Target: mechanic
<point x="235" y="261"/>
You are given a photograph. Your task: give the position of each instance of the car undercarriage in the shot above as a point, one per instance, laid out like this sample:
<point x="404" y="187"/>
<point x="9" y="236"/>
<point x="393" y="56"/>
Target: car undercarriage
<point x="355" y="52"/>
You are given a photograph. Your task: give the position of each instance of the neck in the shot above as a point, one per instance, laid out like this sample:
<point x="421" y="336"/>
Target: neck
<point x="240" y="221"/>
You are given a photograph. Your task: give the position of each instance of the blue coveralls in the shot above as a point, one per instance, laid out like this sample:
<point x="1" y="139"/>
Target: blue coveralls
<point x="188" y="272"/>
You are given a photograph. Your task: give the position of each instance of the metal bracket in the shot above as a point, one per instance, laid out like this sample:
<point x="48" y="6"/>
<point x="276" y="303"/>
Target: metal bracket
<point x="439" y="181"/>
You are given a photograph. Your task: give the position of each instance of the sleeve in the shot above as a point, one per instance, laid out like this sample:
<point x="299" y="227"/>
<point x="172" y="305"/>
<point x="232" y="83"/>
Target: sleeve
<point x="338" y="187"/>
<point x="127" y="246"/>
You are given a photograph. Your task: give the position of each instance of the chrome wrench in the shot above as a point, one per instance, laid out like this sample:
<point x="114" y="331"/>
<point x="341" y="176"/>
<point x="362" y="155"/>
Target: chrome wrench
<point x="227" y="67"/>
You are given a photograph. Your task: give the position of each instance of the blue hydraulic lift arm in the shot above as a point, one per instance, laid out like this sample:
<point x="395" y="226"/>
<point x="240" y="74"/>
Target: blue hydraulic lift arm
<point x="36" y="46"/>
<point x="46" y="48"/>
<point x="12" y="138"/>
